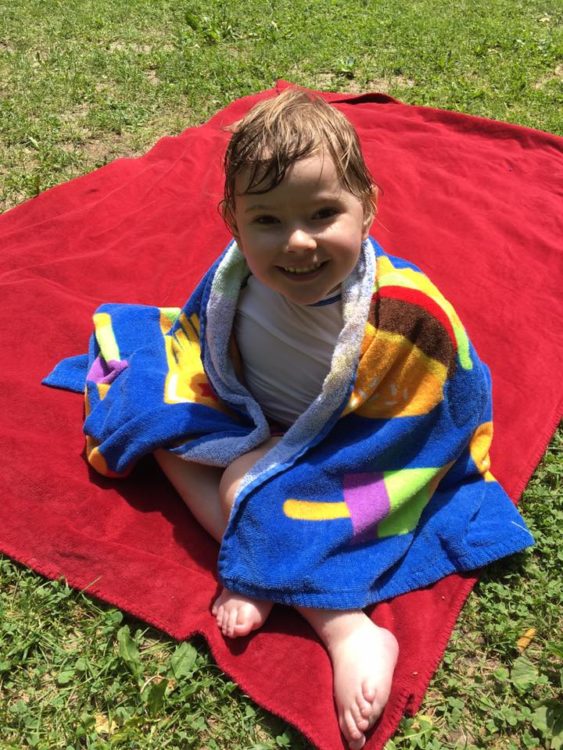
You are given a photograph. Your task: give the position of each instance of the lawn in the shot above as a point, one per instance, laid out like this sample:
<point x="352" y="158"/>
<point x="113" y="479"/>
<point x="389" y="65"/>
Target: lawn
<point x="84" y="82"/>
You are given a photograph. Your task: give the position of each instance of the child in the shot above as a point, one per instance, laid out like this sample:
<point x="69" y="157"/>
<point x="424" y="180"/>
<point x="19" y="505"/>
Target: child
<point x="317" y="405"/>
<point x="299" y="201"/>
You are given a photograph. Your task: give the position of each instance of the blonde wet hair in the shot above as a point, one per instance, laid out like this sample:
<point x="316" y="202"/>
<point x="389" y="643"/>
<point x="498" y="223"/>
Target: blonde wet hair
<point x="280" y="131"/>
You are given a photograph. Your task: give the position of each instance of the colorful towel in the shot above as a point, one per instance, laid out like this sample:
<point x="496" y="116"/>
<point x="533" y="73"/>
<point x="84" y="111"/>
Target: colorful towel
<point x="382" y="485"/>
<point x="475" y="203"/>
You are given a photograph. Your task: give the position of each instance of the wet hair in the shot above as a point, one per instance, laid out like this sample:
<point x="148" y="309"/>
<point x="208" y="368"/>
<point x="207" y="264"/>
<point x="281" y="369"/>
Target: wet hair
<point x="280" y="131"/>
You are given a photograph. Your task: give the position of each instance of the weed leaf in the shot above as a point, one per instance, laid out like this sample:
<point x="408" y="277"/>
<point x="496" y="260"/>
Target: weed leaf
<point x="523" y="673"/>
<point x="548" y="719"/>
<point x="128" y="650"/>
<point x="154" y="696"/>
<point x="183" y="660"/>
<point x="64" y="677"/>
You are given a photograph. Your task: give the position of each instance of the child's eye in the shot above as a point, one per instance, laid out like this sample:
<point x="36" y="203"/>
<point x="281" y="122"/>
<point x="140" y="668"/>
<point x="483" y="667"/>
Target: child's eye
<point x="265" y="220"/>
<point x="325" y="213"/>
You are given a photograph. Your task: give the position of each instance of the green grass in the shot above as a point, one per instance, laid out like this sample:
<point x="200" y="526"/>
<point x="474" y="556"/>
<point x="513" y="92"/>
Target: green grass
<point x="82" y="83"/>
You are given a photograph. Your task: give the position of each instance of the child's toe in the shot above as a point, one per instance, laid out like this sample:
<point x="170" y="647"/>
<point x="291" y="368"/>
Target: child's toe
<point x="243" y="627"/>
<point x="365" y="707"/>
<point x="231" y="622"/>
<point x="350" y="730"/>
<point x="354" y="744"/>
<point x="219" y="613"/>
<point x="369" y="692"/>
<point x="361" y="722"/>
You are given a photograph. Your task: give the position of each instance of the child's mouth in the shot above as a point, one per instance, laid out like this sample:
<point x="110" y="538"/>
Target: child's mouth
<point x="302" y="272"/>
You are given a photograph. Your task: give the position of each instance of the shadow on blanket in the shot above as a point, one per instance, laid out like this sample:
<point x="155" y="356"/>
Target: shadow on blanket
<point x="473" y="202"/>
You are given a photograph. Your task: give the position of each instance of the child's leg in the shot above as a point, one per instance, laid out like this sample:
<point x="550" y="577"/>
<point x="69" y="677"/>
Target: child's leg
<point x="198" y="486"/>
<point x="238" y="615"/>
<point x="209" y="493"/>
<point x="363" y="656"/>
<point x="363" y="661"/>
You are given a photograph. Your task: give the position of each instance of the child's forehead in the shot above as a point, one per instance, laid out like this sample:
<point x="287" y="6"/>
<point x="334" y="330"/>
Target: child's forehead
<point x="313" y="170"/>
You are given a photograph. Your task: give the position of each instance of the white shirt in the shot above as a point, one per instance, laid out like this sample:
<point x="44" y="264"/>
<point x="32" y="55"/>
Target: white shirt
<point x="286" y="348"/>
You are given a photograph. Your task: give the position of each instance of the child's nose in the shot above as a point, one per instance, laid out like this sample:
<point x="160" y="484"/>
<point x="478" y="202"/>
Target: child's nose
<point x="300" y="239"/>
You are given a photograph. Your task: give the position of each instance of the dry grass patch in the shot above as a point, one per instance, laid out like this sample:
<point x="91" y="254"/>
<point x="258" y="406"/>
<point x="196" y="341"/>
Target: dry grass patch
<point x="382" y="85"/>
<point x="557" y="75"/>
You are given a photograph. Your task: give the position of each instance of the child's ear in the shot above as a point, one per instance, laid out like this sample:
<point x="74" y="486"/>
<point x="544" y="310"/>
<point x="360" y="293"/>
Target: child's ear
<point x="236" y="236"/>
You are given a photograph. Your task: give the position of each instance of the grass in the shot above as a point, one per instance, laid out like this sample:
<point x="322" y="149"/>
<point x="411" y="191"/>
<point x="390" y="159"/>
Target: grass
<point x="83" y="82"/>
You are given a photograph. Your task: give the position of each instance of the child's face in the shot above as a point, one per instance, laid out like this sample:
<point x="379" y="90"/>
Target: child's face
<point x="303" y="238"/>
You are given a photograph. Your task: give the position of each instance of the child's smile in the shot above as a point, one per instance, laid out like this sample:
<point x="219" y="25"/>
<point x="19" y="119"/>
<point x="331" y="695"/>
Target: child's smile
<point x="303" y="272"/>
<point x="303" y="237"/>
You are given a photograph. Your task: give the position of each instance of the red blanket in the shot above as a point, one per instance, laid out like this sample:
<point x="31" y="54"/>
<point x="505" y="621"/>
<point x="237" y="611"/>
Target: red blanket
<point x="471" y="201"/>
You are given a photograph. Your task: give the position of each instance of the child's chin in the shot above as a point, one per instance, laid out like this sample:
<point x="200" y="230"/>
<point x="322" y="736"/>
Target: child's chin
<point x="306" y="291"/>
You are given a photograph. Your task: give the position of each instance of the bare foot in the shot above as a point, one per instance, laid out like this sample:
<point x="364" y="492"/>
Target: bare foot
<point x="238" y="615"/>
<point x="363" y="661"/>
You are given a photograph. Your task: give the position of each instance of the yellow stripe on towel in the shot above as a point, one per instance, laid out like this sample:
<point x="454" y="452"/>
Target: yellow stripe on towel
<point x="388" y="275"/>
<point x="306" y="510"/>
<point x="106" y="337"/>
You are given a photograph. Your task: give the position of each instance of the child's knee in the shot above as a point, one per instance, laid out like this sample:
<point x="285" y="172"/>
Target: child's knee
<point x="231" y="479"/>
<point x="234" y="473"/>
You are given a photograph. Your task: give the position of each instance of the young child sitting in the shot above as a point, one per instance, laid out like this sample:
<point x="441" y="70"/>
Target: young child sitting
<point x="299" y="201"/>
<point x="316" y="403"/>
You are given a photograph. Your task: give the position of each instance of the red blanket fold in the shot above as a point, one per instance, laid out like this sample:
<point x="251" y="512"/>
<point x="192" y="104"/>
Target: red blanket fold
<point x="473" y="202"/>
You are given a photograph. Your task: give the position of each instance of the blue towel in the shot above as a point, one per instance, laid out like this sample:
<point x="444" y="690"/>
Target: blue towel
<point x="383" y="484"/>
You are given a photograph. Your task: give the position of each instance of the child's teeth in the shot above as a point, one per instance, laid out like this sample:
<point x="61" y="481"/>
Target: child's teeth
<point x="307" y="269"/>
